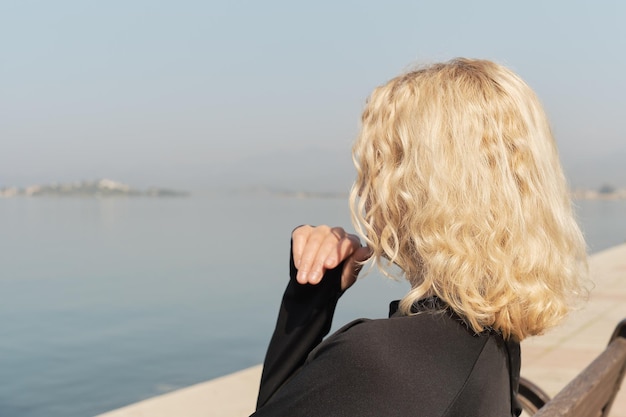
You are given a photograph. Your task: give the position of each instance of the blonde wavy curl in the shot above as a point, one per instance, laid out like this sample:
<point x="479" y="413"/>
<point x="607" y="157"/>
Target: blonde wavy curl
<point x="460" y="185"/>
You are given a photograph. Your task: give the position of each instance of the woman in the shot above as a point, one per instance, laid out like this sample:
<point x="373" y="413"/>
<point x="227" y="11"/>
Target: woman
<point x="459" y="184"/>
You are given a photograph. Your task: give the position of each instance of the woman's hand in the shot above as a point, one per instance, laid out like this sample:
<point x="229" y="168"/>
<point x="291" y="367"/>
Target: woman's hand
<point x="317" y="249"/>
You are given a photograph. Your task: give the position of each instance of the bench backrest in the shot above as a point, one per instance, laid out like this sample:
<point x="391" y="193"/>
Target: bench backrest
<point x="592" y="392"/>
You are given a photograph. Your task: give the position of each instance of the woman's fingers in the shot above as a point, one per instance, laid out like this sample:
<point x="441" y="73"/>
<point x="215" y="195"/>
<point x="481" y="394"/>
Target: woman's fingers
<point x="321" y="241"/>
<point x="317" y="249"/>
<point x="338" y="246"/>
<point x="299" y="237"/>
<point x="306" y="244"/>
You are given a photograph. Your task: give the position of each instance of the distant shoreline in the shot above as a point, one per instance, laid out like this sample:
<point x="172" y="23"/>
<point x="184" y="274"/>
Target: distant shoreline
<point x="98" y="188"/>
<point x="104" y="188"/>
<point x="602" y="194"/>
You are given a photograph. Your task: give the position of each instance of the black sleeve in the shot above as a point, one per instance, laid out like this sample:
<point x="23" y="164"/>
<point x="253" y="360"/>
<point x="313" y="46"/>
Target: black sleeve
<point x="305" y="317"/>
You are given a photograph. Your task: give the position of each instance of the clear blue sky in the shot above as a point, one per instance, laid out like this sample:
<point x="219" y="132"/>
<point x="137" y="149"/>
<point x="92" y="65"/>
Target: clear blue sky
<point x="196" y="93"/>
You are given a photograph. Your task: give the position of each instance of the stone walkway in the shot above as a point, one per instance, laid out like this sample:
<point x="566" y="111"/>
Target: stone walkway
<point x="550" y="361"/>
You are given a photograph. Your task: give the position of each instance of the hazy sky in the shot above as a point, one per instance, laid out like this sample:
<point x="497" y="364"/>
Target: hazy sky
<point x="198" y="93"/>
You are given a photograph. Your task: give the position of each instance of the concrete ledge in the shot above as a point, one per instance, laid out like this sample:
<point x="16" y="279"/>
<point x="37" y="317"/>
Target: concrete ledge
<point x="230" y="395"/>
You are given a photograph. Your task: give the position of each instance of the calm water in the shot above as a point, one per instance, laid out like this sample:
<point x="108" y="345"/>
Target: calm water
<point x="107" y="302"/>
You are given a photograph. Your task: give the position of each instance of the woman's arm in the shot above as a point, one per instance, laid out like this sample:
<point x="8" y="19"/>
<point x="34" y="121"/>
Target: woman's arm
<point x="328" y="260"/>
<point x="304" y="318"/>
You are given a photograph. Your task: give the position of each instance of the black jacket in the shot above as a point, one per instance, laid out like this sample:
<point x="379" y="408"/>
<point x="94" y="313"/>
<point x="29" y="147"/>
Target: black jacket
<point x="429" y="364"/>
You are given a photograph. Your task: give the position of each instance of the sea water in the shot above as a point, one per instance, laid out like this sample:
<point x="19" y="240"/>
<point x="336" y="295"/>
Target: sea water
<point x="105" y="302"/>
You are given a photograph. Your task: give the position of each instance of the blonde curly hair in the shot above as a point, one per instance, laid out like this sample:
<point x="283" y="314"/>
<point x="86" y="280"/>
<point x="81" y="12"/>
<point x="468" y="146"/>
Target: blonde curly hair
<point x="460" y="185"/>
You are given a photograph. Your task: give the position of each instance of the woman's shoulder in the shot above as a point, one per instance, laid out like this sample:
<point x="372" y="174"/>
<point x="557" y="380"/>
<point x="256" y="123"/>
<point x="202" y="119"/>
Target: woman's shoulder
<point x="430" y="355"/>
<point x="433" y="331"/>
<point x="431" y="322"/>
